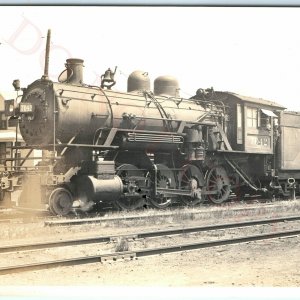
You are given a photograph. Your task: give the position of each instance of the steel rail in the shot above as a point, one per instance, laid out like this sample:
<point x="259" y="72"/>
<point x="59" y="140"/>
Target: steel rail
<point x="143" y="253"/>
<point x="128" y="218"/>
<point x="157" y="233"/>
<point x="100" y="219"/>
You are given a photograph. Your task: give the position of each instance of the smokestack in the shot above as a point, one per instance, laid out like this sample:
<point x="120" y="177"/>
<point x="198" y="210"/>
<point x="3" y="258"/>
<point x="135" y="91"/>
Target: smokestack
<point x="74" y="70"/>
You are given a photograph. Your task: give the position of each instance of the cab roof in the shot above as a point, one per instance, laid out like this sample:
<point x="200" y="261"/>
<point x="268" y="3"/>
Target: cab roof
<point x="261" y="101"/>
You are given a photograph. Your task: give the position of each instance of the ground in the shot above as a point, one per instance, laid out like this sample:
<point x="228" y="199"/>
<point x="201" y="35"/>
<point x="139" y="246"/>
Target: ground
<point x="260" y="264"/>
<point x="272" y="263"/>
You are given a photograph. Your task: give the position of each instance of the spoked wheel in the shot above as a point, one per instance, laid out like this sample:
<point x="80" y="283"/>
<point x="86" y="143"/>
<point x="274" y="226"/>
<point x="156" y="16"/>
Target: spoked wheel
<point x="60" y="201"/>
<point x="129" y="175"/>
<point x="191" y="179"/>
<point x="165" y="180"/>
<point x="217" y="182"/>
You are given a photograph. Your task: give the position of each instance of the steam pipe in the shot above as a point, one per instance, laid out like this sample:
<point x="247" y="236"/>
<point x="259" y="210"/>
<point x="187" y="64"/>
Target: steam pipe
<point x="46" y="73"/>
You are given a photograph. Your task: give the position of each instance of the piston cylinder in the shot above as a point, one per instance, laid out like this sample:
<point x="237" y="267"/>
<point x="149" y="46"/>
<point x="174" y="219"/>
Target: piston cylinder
<point x="99" y="190"/>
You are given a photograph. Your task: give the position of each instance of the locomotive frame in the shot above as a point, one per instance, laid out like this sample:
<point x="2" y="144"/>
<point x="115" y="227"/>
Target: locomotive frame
<point x="146" y="148"/>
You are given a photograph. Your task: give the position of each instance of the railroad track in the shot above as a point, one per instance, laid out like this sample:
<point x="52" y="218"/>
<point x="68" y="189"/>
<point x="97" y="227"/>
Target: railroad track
<point x="144" y="252"/>
<point x="81" y="221"/>
<point x="19" y="215"/>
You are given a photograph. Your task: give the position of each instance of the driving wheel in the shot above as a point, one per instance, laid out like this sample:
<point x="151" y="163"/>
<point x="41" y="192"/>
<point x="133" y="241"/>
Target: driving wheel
<point x="165" y="180"/>
<point x="191" y="179"/>
<point x="130" y="176"/>
<point x="217" y="185"/>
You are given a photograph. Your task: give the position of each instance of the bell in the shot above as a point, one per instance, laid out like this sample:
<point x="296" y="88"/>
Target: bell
<point x="108" y="76"/>
<point x="107" y="79"/>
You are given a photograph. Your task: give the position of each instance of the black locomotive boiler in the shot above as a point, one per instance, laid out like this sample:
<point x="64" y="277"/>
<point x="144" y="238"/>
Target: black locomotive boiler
<point x="144" y="147"/>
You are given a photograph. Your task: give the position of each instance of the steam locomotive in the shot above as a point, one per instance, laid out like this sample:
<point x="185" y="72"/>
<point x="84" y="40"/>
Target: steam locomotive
<point x="144" y="147"/>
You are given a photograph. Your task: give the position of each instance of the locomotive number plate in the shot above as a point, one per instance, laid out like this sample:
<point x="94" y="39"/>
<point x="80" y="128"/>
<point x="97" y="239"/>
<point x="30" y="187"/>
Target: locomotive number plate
<point x="26" y="108"/>
<point x="259" y="141"/>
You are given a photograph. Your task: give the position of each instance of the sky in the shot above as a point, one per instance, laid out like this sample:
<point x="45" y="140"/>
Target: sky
<point x="252" y="51"/>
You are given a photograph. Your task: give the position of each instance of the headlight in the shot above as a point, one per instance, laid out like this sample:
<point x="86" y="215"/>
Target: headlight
<point x="9" y="108"/>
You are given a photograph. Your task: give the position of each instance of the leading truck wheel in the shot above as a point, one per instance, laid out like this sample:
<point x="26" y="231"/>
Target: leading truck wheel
<point x="60" y="201"/>
<point x="217" y="185"/>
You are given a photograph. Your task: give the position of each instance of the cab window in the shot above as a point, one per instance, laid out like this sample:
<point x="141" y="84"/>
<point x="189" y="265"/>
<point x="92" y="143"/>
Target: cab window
<point x="252" y="117"/>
